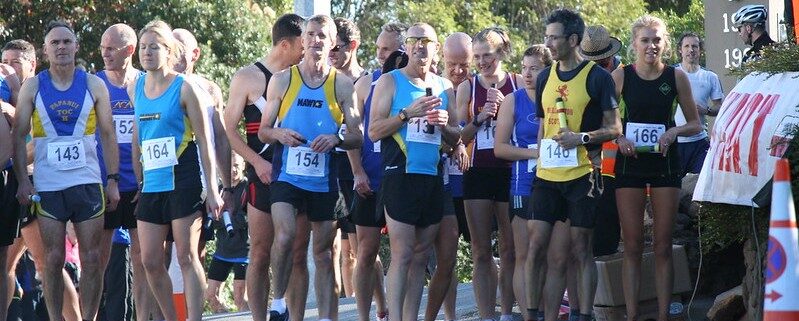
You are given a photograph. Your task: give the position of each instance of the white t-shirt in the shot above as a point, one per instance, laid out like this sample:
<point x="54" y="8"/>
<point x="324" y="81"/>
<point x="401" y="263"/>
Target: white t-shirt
<point x="706" y="87"/>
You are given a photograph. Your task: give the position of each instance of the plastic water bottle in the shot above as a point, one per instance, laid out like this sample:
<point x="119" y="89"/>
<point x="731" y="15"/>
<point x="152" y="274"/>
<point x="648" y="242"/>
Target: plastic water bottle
<point x="228" y="224"/>
<point x="35" y="198"/>
<point x="676" y="311"/>
<point x="648" y="149"/>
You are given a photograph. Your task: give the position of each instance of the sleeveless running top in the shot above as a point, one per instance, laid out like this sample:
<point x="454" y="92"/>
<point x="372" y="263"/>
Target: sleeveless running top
<point x="64" y="135"/>
<point x="371" y="160"/>
<point x="415" y="148"/>
<point x="122" y="112"/>
<point x="525" y="135"/>
<point x="650" y="102"/>
<point x="168" y="152"/>
<point x="575" y="97"/>
<point x="310" y="112"/>
<point x="252" y="118"/>
<point x="481" y="147"/>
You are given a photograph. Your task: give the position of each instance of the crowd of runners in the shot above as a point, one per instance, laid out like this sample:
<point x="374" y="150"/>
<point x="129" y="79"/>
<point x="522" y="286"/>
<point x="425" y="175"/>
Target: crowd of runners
<point x="442" y="142"/>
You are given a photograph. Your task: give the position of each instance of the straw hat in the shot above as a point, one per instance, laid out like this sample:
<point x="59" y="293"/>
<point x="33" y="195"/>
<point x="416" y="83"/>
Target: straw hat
<point x="597" y="44"/>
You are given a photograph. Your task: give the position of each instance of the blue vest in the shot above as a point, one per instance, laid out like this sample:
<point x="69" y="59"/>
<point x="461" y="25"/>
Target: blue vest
<point x="415" y="148"/>
<point x="310" y="112"/>
<point x="122" y="111"/>
<point x="525" y="133"/>
<point x="162" y="122"/>
<point x="371" y="160"/>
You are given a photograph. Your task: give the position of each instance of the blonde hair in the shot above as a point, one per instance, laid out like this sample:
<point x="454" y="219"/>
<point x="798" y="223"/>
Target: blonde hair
<point x="496" y="38"/>
<point x="649" y="21"/>
<point x="163" y="32"/>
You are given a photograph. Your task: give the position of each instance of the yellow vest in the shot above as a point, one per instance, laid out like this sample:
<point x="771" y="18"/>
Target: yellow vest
<point x="575" y="100"/>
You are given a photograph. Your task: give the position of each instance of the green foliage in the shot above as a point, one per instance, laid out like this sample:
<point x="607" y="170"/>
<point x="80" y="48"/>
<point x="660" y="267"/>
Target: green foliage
<point x="464" y="266"/>
<point x="782" y="57"/>
<point x="680" y="22"/>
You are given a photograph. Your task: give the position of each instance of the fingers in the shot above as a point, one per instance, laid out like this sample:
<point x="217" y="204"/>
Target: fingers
<point x="324" y="143"/>
<point x="135" y="197"/>
<point x="292" y="138"/>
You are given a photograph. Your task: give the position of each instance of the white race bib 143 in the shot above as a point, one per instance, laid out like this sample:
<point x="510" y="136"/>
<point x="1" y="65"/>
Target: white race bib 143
<point x="66" y="155"/>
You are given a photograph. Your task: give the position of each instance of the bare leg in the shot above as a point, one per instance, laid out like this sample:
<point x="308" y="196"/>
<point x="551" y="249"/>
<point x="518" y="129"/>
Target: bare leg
<point x="186" y="232"/>
<point x="53" y="282"/>
<point x="211" y="296"/>
<point x="297" y="294"/>
<point x="583" y="252"/>
<point x="142" y="296"/>
<point x="151" y="240"/>
<point x="365" y="269"/>
<point x="558" y="255"/>
<point x="484" y="274"/>
<point x="326" y="295"/>
<point x="446" y="246"/>
<point x="336" y="250"/>
<point x="90" y="235"/>
<point x="631" y="202"/>
<point x="507" y="257"/>
<point x="348" y="257"/>
<point x="283" y="218"/>
<point x="261" y="235"/>
<point x="240" y="295"/>
<point x="664" y="205"/>
<point x="521" y="246"/>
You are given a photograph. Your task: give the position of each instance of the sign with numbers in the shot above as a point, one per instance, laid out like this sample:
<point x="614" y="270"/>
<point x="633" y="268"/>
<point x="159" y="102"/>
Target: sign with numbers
<point x="531" y="163"/>
<point x="642" y="134"/>
<point x="124" y="128"/>
<point x="303" y="161"/>
<point x="158" y="153"/>
<point x="724" y="49"/>
<point x="421" y="132"/>
<point x="485" y="136"/>
<point x="66" y="155"/>
<point x="552" y="155"/>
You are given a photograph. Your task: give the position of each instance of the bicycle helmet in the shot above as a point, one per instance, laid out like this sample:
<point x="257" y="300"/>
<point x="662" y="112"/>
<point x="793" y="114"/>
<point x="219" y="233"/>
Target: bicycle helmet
<point x="755" y="14"/>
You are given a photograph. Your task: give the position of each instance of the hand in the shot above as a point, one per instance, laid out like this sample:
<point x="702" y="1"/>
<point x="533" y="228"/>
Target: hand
<point x="213" y="204"/>
<point x="437" y="117"/>
<point x="421" y="105"/>
<point x="263" y="169"/>
<point x="362" y="187"/>
<point x="626" y="147"/>
<point x="495" y="96"/>
<point x="24" y="191"/>
<point x="666" y="140"/>
<point x="111" y="195"/>
<point x="462" y="158"/>
<point x="136" y="197"/>
<point x="324" y="143"/>
<point x="567" y="138"/>
<point x="489" y="111"/>
<point x="289" y="137"/>
<point x="702" y="109"/>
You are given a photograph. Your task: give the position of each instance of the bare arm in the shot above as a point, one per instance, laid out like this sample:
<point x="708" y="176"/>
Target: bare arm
<point x="462" y="110"/>
<point x="352" y="116"/>
<point x="6" y="143"/>
<point x="451" y="132"/>
<point x="715" y="106"/>
<point x="105" y="123"/>
<point x="274" y="97"/>
<point x="505" y="124"/>
<point x="688" y="106"/>
<point x="361" y="179"/>
<point x="221" y="144"/>
<point x="380" y="124"/>
<point x="199" y="123"/>
<point x="135" y="153"/>
<point x="22" y="128"/>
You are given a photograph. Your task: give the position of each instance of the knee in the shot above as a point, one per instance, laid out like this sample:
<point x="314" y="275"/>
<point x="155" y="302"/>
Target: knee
<point x="481" y="255"/>
<point x="559" y="261"/>
<point x="367" y="252"/>
<point x="54" y="259"/>
<point x="633" y="250"/>
<point x="284" y="239"/>
<point x="323" y="260"/>
<point x="300" y="258"/>
<point x="663" y="252"/>
<point x="153" y="264"/>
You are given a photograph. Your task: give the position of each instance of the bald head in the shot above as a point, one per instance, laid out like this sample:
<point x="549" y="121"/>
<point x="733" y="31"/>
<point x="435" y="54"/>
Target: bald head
<point x="117" y="46"/>
<point x="457" y="57"/>
<point x="121" y="32"/>
<point x="190" y="52"/>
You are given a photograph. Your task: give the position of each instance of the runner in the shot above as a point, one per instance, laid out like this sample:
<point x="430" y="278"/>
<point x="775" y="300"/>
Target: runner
<point x="457" y="54"/>
<point x="311" y="101"/>
<point x="21" y="55"/>
<point x="117" y="46"/>
<point x="648" y="91"/>
<point x="171" y="192"/>
<point x="247" y="99"/>
<point x="64" y="104"/>
<point x="517" y="141"/>
<point x="367" y="170"/>
<point x="750" y="20"/>
<point x="8" y="226"/>
<point x="211" y="98"/>
<point x="577" y="112"/>
<point x="485" y="184"/>
<point x="707" y="92"/>
<point x="410" y="118"/>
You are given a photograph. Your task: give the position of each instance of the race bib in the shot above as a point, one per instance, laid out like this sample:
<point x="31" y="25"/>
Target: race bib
<point x="531" y="163"/>
<point x="376" y="146"/>
<point x="644" y="134"/>
<point x="124" y="128"/>
<point x="552" y="155"/>
<point x="485" y="136"/>
<point x="303" y="161"/>
<point x="452" y="167"/>
<point x="421" y="132"/>
<point x="66" y="155"/>
<point x="158" y="153"/>
<point x="341" y="131"/>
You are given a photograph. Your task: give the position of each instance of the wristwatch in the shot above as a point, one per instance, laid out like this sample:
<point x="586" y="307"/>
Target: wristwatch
<point x="114" y="176"/>
<point x="584" y="138"/>
<point x="403" y="116"/>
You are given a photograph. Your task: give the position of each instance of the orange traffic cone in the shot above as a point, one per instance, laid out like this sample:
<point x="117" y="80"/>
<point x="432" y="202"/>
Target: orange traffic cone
<point x="178" y="297"/>
<point x="781" y="299"/>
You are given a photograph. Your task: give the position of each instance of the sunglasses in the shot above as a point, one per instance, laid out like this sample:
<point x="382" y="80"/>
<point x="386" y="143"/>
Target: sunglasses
<point x="337" y="48"/>
<point x="410" y="41"/>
